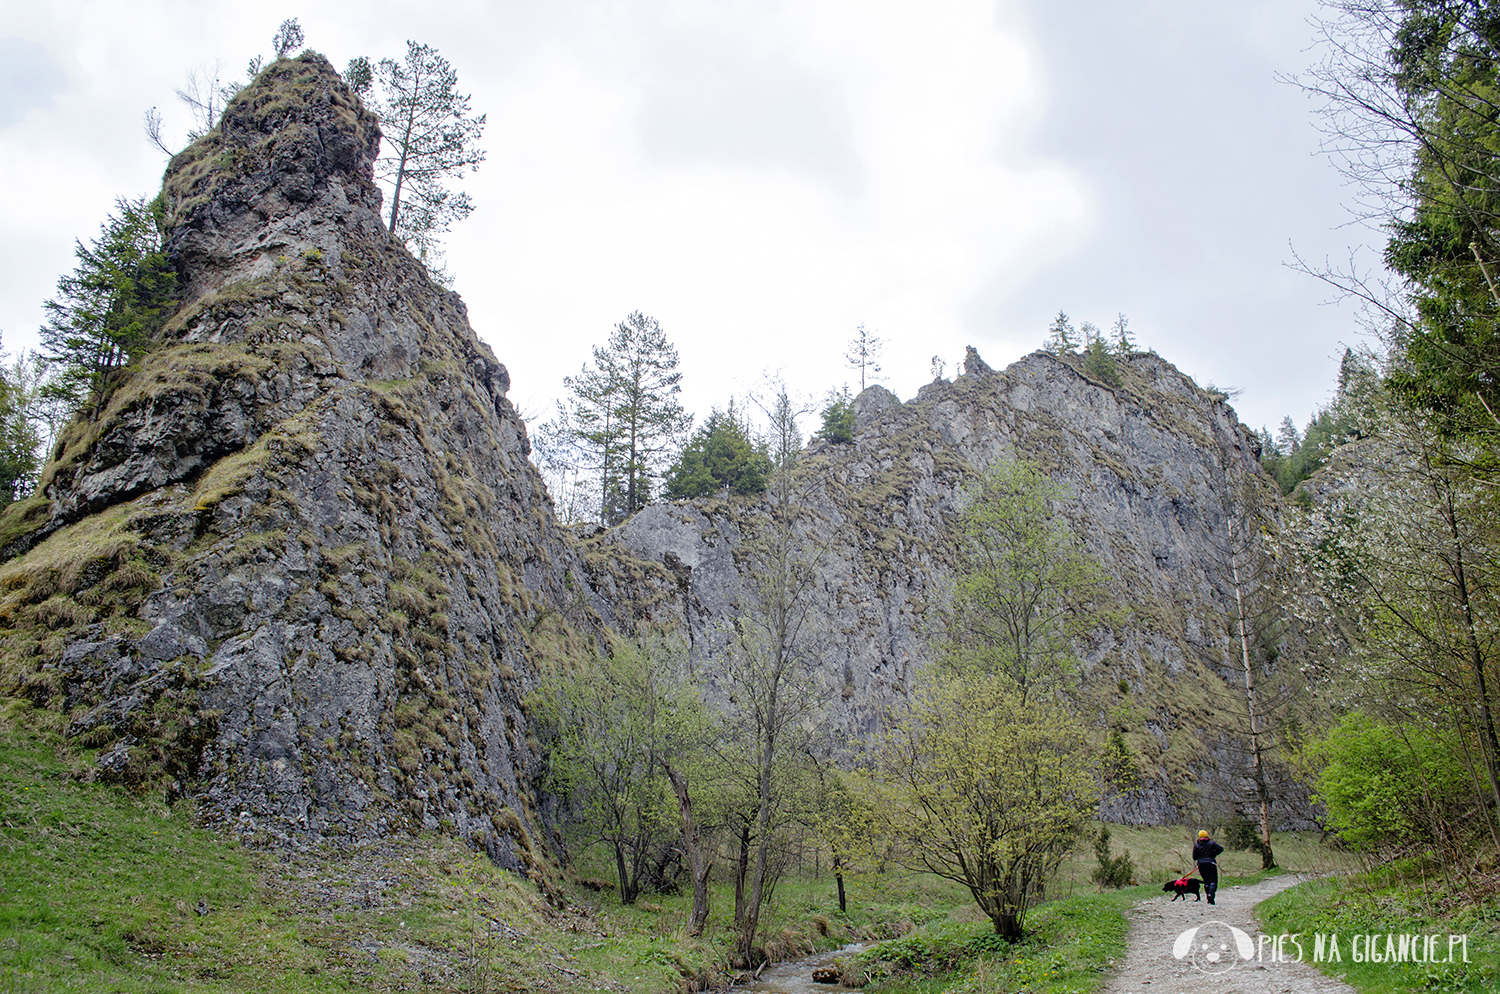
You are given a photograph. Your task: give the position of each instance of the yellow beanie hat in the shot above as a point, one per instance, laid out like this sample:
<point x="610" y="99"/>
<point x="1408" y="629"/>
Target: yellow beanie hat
<point x="1202" y="835"/>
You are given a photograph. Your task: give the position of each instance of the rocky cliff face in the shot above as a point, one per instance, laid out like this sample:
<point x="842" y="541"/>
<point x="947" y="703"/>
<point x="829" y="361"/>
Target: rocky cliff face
<point x="302" y="559"/>
<point x="1150" y="461"/>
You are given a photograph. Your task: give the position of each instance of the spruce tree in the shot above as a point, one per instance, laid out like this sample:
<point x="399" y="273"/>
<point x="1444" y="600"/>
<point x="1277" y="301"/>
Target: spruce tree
<point x="1061" y="337"/>
<point x="109" y="309"/>
<point x="721" y="457"/>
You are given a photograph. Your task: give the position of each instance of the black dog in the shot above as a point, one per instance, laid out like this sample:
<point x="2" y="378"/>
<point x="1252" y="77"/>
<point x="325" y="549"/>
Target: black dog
<point x="1183" y="887"/>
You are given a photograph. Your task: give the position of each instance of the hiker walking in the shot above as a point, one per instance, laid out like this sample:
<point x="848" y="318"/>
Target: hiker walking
<point x="1205" y="851"/>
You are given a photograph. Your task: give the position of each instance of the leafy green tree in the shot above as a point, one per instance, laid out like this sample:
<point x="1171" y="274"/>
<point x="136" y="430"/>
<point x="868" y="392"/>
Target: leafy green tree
<point x="19" y="439"/>
<point x="108" y="311"/>
<point x="720" y="458"/>
<point x="429" y="137"/>
<point x="849" y="817"/>
<point x="623" y="416"/>
<point x="864" y="348"/>
<point x="993" y="782"/>
<point x="623" y="731"/>
<point x="995" y="789"/>
<point x="1408" y="554"/>
<point x="838" y="418"/>
<point x="1025" y="593"/>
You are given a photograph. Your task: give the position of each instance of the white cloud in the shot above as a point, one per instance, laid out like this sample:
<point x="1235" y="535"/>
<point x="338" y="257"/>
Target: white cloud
<point x="764" y="176"/>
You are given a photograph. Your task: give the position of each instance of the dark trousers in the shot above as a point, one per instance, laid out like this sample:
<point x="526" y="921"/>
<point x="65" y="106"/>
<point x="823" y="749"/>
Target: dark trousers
<point x="1209" y="871"/>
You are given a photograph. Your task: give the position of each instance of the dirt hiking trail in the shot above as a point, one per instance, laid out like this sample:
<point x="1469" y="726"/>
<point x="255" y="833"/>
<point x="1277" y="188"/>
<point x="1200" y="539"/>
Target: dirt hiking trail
<point x="1212" y="958"/>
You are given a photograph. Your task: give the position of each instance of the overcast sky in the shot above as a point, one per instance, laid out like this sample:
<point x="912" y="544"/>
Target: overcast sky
<point x="764" y="176"/>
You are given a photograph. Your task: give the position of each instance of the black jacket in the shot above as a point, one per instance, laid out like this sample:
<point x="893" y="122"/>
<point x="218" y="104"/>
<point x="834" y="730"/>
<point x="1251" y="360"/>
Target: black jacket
<point x="1206" y="849"/>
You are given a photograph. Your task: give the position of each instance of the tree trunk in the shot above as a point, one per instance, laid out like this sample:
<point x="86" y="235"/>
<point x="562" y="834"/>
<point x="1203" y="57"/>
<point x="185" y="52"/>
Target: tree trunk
<point x="401" y="169"/>
<point x="693" y="847"/>
<point x="767" y="766"/>
<point x="741" y="871"/>
<point x="1490" y="743"/>
<point x="838" y="875"/>
<point x="1262" y="792"/>
<point x="627" y="886"/>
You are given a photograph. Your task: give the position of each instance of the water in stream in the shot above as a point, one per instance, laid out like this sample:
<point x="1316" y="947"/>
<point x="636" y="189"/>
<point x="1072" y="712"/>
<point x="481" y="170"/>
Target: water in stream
<point x="795" y="976"/>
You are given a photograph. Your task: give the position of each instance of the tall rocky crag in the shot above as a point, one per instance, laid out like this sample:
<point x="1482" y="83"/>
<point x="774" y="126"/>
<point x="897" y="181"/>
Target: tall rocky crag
<point x="1155" y="466"/>
<point x="301" y="559"/>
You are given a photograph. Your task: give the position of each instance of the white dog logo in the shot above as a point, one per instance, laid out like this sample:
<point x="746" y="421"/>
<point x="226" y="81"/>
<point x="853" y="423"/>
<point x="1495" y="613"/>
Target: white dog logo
<point x="1214" y="947"/>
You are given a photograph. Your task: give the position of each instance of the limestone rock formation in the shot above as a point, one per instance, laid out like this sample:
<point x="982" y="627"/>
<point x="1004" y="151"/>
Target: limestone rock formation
<point x="302" y="559"/>
<point x="1146" y="460"/>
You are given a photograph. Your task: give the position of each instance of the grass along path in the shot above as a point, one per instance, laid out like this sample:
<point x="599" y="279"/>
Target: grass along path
<point x="1212" y="957"/>
<point x="1398" y="899"/>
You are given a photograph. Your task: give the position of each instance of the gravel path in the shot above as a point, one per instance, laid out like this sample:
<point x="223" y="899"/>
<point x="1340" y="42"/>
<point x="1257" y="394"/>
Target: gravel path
<point x="1211" y="960"/>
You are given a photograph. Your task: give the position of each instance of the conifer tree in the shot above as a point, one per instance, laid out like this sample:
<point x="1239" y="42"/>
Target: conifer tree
<point x="429" y="137"/>
<point x="109" y="309"/>
<point x="720" y="457"/>
<point x="1061" y="335"/>
<point x="864" y="349"/>
<point x="19" y="437"/>
<point x="623" y="416"/>
<point x="838" y="418"/>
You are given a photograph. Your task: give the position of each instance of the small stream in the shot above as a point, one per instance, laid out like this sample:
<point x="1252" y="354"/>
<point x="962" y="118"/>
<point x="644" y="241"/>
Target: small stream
<point x="795" y="976"/>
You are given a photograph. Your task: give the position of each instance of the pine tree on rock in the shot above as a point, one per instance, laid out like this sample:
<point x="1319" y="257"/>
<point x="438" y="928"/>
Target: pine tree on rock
<point x="864" y="348"/>
<point x="623" y="415"/>
<point x="429" y="137"/>
<point x="1061" y="337"/>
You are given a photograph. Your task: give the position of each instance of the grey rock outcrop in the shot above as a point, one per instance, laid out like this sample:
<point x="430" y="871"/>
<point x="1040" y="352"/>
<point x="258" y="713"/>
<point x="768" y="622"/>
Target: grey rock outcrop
<point x="1146" y="460"/>
<point x="302" y="559"/>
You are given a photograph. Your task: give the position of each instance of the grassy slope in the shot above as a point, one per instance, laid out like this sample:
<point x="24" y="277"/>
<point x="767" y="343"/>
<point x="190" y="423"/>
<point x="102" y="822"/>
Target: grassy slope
<point x="100" y="890"/>
<point x="1395" y="898"/>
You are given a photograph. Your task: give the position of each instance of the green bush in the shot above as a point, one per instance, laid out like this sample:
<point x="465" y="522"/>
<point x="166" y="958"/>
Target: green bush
<point x="1386" y="786"/>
